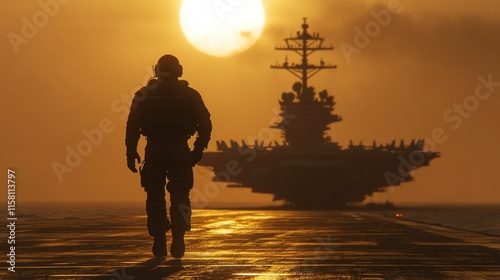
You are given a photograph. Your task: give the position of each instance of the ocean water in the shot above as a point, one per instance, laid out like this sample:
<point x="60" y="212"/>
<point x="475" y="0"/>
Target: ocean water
<point x="480" y="218"/>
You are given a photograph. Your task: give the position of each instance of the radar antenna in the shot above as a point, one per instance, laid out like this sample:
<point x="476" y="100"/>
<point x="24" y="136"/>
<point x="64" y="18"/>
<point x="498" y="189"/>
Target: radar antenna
<point x="304" y="44"/>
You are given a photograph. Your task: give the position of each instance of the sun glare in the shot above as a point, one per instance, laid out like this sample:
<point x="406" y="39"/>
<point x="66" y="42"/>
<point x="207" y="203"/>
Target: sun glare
<point x="222" y="27"/>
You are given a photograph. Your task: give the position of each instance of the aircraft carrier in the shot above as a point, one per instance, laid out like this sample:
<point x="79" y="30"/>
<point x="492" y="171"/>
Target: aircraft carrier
<point x="307" y="169"/>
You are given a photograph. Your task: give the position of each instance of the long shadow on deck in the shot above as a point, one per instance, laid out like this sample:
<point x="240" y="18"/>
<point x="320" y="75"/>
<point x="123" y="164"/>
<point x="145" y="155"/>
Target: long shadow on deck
<point x="152" y="269"/>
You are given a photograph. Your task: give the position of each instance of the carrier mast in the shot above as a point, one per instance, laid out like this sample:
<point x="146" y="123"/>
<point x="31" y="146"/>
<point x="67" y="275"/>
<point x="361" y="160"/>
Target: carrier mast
<point x="304" y="44"/>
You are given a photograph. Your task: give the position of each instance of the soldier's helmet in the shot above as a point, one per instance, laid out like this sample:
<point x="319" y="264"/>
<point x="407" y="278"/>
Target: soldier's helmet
<point x="168" y="66"/>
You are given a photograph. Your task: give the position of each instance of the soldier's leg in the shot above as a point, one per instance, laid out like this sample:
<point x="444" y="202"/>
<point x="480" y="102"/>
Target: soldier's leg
<point x="156" y="208"/>
<point x="180" y="182"/>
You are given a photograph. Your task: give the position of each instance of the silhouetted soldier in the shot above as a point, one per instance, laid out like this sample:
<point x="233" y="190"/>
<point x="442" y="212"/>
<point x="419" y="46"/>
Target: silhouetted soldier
<point x="168" y="112"/>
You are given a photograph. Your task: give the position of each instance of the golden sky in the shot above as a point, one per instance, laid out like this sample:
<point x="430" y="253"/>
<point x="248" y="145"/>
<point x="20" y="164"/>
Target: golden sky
<point x="77" y="71"/>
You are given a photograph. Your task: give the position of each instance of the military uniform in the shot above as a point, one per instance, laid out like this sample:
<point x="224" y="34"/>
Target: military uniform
<point x="167" y="111"/>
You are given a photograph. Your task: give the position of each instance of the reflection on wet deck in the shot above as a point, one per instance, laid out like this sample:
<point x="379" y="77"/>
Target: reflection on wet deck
<point x="255" y="244"/>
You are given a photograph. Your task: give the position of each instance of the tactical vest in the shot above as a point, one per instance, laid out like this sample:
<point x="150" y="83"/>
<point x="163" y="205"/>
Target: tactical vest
<point x="167" y="114"/>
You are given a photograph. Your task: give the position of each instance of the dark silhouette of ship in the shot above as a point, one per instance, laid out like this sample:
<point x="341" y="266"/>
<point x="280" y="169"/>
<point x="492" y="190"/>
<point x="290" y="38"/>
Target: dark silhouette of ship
<point x="308" y="170"/>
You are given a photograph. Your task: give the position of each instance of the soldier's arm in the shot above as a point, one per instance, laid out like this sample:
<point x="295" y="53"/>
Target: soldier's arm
<point x="202" y="117"/>
<point x="135" y="119"/>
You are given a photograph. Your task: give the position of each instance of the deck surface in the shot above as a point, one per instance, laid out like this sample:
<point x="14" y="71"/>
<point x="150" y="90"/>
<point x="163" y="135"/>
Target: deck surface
<point x="255" y="244"/>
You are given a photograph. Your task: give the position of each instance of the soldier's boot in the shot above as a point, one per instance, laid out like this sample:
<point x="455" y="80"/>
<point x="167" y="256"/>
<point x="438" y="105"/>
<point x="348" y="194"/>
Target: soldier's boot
<point x="160" y="246"/>
<point x="177" y="248"/>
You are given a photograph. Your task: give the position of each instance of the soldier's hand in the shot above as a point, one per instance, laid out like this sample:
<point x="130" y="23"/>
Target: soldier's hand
<point x="196" y="155"/>
<point x="131" y="158"/>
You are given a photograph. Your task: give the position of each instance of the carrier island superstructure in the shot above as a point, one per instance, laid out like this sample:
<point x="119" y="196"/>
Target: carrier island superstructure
<point x="308" y="169"/>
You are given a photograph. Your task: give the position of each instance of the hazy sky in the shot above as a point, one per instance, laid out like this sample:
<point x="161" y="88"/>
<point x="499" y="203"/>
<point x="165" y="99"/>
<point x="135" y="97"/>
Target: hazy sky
<point x="75" y="73"/>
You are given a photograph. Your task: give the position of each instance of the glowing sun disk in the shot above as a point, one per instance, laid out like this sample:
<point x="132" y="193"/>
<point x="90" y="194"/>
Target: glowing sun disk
<point x="222" y="27"/>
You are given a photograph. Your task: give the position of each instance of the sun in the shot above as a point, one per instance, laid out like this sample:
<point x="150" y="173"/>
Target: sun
<point x="222" y="27"/>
